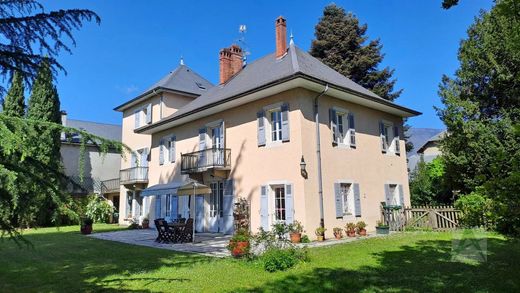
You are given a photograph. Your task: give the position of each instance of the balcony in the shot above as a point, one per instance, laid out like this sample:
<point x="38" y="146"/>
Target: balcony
<point x="197" y="162"/>
<point x="110" y="186"/>
<point x="134" y="177"/>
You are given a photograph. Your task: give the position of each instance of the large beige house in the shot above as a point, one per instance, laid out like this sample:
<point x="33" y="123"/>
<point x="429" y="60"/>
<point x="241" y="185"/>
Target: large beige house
<point x="295" y="138"/>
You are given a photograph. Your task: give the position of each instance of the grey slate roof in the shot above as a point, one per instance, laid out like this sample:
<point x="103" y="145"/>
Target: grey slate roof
<point x="270" y="69"/>
<point x="182" y="79"/>
<point x="108" y="131"/>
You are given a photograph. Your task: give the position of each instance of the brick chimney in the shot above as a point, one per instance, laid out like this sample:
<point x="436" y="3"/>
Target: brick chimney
<point x="281" y="36"/>
<point x="230" y="62"/>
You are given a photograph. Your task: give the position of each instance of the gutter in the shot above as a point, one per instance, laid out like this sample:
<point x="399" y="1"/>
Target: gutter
<point x="318" y="152"/>
<point x="268" y="85"/>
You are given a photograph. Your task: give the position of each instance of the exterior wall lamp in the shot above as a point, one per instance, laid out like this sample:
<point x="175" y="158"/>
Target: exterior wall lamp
<point x="302" y="168"/>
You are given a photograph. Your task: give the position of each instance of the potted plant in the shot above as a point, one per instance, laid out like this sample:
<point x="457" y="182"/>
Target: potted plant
<point x="350" y="229"/>
<point x="320" y="233"/>
<point x="361" y="228"/>
<point x="145" y="224"/>
<point x="338" y="232"/>
<point x="382" y="228"/>
<point x="239" y="245"/>
<point x="295" y="231"/>
<point x="86" y="226"/>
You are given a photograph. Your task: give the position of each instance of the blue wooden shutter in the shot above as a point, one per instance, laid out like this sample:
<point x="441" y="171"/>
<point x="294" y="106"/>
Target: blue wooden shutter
<point x="397" y="140"/>
<point x="261" y="128"/>
<point x="264" y="208"/>
<point x="286" y="133"/>
<point x="383" y="135"/>
<point x="202" y="147"/>
<point x="171" y="150"/>
<point x="357" y="200"/>
<point x="157" y="207"/>
<point x="333" y="125"/>
<point x="401" y="195"/>
<point x="148" y="113"/>
<point x="388" y="195"/>
<point x="227" y="208"/>
<point x="289" y="204"/>
<point x="137" y="114"/>
<point x="352" y="130"/>
<point x="161" y="151"/>
<point x="174" y="203"/>
<point x="222" y="134"/>
<point x="338" y="200"/>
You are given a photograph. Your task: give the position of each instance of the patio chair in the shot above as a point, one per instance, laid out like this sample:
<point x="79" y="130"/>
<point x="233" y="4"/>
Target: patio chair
<point x="187" y="231"/>
<point x="161" y="237"/>
<point x="166" y="232"/>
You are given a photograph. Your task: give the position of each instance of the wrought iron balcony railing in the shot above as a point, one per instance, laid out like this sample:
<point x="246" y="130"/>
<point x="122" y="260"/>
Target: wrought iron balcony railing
<point x="134" y="175"/>
<point x="213" y="158"/>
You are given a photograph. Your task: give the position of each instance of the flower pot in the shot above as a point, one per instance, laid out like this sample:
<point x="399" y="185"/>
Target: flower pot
<point x="239" y="248"/>
<point x="362" y="232"/>
<point x="296" y="237"/>
<point x="321" y="238"/>
<point x="351" y="233"/>
<point x="382" y="230"/>
<point x="85" y="230"/>
<point x="338" y="236"/>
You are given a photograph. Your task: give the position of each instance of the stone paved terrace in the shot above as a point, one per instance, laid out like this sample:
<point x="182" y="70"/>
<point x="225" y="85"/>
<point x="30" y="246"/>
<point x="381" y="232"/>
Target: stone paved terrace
<point x="211" y="244"/>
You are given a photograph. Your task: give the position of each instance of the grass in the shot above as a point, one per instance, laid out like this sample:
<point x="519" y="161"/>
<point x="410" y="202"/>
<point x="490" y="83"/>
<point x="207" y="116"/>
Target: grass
<point x="65" y="261"/>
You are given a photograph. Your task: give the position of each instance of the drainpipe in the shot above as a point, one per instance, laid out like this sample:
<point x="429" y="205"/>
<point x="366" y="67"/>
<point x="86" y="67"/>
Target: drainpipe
<point x="318" y="152"/>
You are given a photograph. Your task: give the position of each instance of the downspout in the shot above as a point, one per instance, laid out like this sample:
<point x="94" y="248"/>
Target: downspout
<point x="318" y="152"/>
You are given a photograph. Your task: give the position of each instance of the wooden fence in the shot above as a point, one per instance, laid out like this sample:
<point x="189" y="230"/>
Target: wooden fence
<point x="432" y="217"/>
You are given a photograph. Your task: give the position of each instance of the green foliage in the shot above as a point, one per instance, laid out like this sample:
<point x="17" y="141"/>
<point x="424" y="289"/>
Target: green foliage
<point x="23" y="175"/>
<point x="296" y="227"/>
<point x="31" y="34"/>
<point x="14" y="102"/>
<point x="482" y="114"/>
<point x="476" y="209"/>
<point x="278" y="259"/>
<point x="427" y="183"/>
<point x="341" y="43"/>
<point x="305" y="239"/>
<point x="98" y="209"/>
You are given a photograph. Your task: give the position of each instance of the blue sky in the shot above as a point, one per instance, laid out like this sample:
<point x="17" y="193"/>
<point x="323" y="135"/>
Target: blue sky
<point x="138" y="42"/>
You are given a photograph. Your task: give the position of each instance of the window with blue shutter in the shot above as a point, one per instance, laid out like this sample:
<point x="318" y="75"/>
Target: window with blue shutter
<point x="357" y="200"/>
<point x="333" y="126"/>
<point x="137" y="117"/>
<point x="285" y="123"/>
<point x="161" y="151"/>
<point x="338" y="198"/>
<point x="397" y="140"/>
<point x="401" y="195"/>
<point x="261" y="128"/>
<point x="384" y="137"/>
<point x="352" y="130"/>
<point x="289" y="204"/>
<point x="264" y="207"/>
<point x="171" y="149"/>
<point x="148" y="113"/>
<point x="227" y="207"/>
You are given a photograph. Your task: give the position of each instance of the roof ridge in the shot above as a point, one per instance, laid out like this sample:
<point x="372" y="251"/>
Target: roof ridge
<point x="94" y="122"/>
<point x="294" y="58"/>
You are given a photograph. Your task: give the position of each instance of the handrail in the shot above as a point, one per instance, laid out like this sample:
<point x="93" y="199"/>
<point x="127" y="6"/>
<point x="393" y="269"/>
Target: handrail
<point x="134" y="175"/>
<point x="202" y="160"/>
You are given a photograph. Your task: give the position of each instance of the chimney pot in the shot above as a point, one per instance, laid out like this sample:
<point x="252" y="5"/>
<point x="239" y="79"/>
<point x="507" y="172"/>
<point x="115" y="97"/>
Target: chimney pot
<point x="281" y="36"/>
<point x="230" y="62"/>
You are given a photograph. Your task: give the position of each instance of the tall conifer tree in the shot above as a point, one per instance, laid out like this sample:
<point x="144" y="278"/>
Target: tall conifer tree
<point x="341" y="43"/>
<point x="14" y="102"/>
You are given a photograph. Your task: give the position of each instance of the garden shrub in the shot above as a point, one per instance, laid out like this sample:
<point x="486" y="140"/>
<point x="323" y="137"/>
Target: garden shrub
<point x="98" y="209"/>
<point x="281" y="259"/>
<point x="305" y="239"/>
<point x="475" y="208"/>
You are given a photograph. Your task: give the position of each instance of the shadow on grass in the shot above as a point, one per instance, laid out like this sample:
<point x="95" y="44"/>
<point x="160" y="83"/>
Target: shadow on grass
<point x="425" y="267"/>
<point x="66" y="261"/>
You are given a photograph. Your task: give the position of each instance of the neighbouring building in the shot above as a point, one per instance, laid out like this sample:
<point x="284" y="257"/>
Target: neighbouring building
<point x="101" y="171"/>
<point x="422" y="138"/>
<point x="255" y="135"/>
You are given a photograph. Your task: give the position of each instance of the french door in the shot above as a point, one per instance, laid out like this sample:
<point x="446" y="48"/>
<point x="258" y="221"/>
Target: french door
<point x="216" y="199"/>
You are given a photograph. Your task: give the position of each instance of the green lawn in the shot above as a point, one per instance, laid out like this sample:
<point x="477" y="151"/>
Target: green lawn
<point x="65" y="261"/>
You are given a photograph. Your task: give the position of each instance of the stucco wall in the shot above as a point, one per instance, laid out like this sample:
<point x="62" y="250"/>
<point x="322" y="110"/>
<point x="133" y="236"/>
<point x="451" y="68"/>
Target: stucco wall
<point x="253" y="166"/>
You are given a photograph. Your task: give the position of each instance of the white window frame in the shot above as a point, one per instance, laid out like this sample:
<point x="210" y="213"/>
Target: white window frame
<point x="271" y="185"/>
<point x="168" y="205"/>
<point x="166" y="148"/>
<point x="269" y="126"/>
<point x="390" y="137"/>
<point x="209" y="127"/>
<point x="350" y="200"/>
<point x="142" y="111"/>
<point x="395" y="200"/>
<point x="345" y="135"/>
